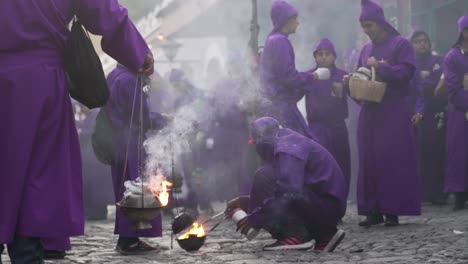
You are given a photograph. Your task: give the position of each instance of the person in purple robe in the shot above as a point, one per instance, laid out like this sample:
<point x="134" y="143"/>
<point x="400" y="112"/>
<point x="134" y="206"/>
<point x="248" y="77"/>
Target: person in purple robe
<point x="39" y="140"/>
<point x="327" y="108"/>
<point x="456" y="81"/>
<point x="298" y="194"/>
<point x="388" y="180"/>
<point x="432" y="127"/>
<point x="231" y="131"/>
<point x="124" y="86"/>
<point x="282" y="85"/>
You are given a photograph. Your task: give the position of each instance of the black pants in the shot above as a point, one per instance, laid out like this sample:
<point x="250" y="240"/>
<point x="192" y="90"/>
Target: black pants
<point x="25" y="250"/>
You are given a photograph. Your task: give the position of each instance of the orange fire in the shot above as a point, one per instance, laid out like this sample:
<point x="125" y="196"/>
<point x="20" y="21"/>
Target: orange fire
<point x="164" y="194"/>
<point x="196" y="230"/>
<point x="159" y="187"/>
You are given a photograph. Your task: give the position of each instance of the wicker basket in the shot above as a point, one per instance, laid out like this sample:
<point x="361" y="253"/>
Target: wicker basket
<point x="367" y="90"/>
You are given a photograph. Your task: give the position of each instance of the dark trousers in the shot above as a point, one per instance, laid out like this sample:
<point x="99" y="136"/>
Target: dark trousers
<point x="25" y="250"/>
<point x="305" y="215"/>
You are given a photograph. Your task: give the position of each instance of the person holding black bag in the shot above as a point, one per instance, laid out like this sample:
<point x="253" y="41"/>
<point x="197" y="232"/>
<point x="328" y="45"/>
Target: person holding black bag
<point x="40" y="161"/>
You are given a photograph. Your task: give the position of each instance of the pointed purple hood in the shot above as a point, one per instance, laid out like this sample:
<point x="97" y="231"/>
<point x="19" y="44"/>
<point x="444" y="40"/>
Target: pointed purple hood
<point x="462" y="23"/>
<point x="325" y="44"/>
<point x="373" y="12"/>
<point x="281" y="11"/>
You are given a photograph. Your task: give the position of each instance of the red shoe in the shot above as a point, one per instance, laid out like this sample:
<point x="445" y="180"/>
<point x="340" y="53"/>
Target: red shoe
<point x="290" y="243"/>
<point x="329" y="244"/>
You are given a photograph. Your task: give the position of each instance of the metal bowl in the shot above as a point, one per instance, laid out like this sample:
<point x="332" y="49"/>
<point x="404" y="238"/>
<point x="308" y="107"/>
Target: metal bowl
<point x="141" y="210"/>
<point x="183" y="221"/>
<point x="193" y="243"/>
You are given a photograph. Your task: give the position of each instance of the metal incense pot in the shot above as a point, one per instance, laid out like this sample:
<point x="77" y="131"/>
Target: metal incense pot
<point x="141" y="209"/>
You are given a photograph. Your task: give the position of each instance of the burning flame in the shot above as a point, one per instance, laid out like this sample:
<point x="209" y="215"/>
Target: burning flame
<point x="196" y="230"/>
<point x="160" y="187"/>
<point x="164" y="194"/>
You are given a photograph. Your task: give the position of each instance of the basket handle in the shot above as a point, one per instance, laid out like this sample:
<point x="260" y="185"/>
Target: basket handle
<point x="373" y="74"/>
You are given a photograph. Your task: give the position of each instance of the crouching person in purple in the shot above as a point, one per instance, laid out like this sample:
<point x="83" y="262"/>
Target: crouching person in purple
<point x="299" y="193"/>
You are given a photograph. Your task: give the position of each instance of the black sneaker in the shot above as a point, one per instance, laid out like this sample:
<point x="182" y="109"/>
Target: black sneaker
<point x="391" y="220"/>
<point x="54" y="254"/>
<point x="372" y="219"/>
<point x="329" y="244"/>
<point x="290" y="243"/>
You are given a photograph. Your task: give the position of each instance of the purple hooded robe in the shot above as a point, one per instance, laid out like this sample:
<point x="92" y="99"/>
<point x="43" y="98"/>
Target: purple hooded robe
<point x="456" y="74"/>
<point x="39" y="139"/>
<point x="432" y="131"/>
<point x="124" y="86"/>
<point x="300" y="167"/>
<point x="283" y="86"/>
<point x="388" y="180"/>
<point x="326" y="114"/>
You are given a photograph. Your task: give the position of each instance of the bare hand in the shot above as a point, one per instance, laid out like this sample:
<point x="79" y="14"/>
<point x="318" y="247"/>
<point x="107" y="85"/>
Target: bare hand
<point x="167" y="118"/>
<point x="148" y="66"/>
<point x="416" y="119"/>
<point x="373" y="62"/>
<point x="315" y="75"/>
<point x="236" y="203"/>
<point x="337" y="89"/>
<point x="346" y="79"/>
<point x="440" y="89"/>
<point x="243" y="226"/>
<point x="424" y="74"/>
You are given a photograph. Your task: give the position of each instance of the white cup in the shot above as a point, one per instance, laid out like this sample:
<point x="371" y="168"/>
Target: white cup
<point x="323" y="73"/>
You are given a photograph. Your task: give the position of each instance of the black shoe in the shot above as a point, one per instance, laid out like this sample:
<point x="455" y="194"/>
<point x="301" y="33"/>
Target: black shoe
<point x="391" y="220"/>
<point x="137" y="248"/>
<point x="372" y="219"/>
<point x="54" y="254"/>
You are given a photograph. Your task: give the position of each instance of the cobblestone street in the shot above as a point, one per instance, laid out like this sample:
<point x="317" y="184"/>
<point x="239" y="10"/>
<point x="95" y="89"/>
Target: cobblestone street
<point x="439" y="236"/>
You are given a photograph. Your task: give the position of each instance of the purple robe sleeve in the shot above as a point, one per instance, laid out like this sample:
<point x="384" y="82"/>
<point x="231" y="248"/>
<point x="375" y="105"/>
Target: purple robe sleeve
<point x="417" y="95"/>
<point x="403" y="68"/>
<point x="454" y="82"/>
<point x="291" y="174"/>
<point x="285" y="67"/>
<point x="120" y="38"/>
<point x="433" y="79"/>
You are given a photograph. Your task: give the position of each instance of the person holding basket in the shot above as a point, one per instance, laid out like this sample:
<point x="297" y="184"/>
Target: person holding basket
<point x="388" y="180"/>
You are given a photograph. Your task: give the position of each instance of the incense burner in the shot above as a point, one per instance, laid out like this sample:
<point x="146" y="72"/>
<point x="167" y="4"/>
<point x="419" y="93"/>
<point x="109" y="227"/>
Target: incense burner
<point x="140" y="209"/>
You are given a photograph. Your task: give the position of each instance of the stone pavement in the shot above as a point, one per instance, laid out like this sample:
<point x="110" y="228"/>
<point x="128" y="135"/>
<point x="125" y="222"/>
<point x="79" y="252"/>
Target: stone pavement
<point x="438" y="236"/>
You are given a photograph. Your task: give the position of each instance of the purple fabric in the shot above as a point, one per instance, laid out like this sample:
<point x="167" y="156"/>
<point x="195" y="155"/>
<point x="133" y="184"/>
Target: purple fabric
<point x="281" y="11"/>
<point x="432" y="133"/>
<point x="326" y="116"/>
<point x="373" y="12"/>
<point x="123" y="88"/>
<point x="230" y="132"/>
<point x="416" y="95"/>
<point x="307" y="212"/>
<point x="388" y="179"/>
<point x="97" y="180"/>
<point x="176" y="75"/>
<point x="56" y="243"/>
<point x="282" y="85"/>
<point x="455" y="70"/>
<point x="462" y="23"/>
<point x="325" y="44"/>
<point x="301" y="166"/>
<point x="39" y="140"/>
